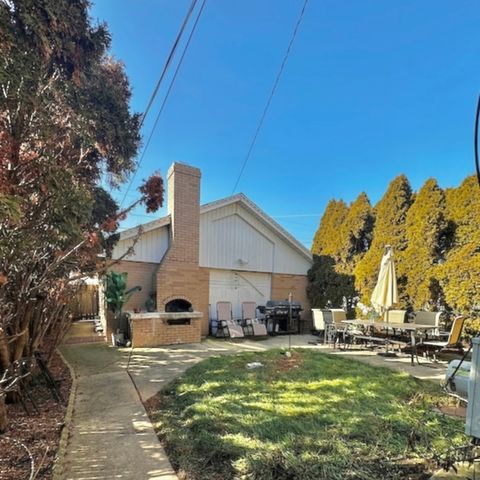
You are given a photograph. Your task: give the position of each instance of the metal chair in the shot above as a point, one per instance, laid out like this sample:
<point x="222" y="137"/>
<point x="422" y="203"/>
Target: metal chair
<point x="452" y="343"/>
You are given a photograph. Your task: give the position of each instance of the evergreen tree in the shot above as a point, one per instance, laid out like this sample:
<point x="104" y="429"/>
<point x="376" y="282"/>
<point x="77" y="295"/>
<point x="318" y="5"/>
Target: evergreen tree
<point x="356" y="234"/>
<point x="390" y="216"/>
<point x="460" y="275"/>
<point x="425" y="229"/>
<point x="326" y="286"/>
<point x="327" y="237"/>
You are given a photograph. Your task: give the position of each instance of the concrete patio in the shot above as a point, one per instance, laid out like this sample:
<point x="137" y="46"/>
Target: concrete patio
<point x="152" y="368"/>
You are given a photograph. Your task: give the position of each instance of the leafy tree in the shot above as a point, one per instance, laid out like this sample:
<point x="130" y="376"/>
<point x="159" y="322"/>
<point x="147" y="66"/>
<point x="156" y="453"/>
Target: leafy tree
<point x="326" y="240"/>
<point x="425" y="228"/>
<point x="355" y="234"/>
<point x="390" y="229"/>
<point x="65" y="124"/>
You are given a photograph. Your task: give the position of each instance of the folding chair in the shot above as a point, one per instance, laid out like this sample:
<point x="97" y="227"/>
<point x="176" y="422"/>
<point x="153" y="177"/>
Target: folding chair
<point x="252" y="324"/>
<point x="228" y="326"/>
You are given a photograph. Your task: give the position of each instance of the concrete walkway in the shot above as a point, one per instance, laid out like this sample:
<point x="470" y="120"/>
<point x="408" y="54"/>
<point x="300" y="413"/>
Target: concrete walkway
<point x="112" y="436"/>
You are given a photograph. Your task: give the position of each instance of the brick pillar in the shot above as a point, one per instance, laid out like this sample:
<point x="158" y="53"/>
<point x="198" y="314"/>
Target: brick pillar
<point x="179" y="274"/>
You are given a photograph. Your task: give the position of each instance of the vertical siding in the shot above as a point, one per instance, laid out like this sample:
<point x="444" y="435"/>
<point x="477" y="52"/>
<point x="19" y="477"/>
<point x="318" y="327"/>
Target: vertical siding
<point x="150" y="248"/>
<point x="238" y="287"/>
<point x="231" y="233"/>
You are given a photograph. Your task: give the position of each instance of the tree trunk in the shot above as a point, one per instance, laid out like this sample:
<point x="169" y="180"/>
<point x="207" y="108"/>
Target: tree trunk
<point x="3" y="413"/>
<point x="4" y="353"/>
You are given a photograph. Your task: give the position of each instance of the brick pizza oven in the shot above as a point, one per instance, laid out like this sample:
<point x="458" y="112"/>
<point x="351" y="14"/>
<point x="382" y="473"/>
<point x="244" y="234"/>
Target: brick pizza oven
<point x="182" y="287"/>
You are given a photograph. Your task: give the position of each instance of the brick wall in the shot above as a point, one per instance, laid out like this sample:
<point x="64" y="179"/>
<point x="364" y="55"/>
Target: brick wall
<point x="139" y="273"/>
<point x="283" y="284"/>
<point x="152" y="332"/>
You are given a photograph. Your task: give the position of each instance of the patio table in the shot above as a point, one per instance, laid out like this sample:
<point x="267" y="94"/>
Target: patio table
<point x="412" y="328"/>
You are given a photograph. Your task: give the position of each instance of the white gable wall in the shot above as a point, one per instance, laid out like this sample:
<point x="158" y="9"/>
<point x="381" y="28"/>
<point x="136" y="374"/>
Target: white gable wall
<point x="151" y="246"/>
<point x="233" y="238"/>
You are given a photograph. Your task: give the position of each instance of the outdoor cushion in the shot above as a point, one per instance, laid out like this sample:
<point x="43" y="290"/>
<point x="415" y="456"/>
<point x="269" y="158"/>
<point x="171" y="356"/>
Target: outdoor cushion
<point x="258" y="328"/>
<point x="234" y="329"/>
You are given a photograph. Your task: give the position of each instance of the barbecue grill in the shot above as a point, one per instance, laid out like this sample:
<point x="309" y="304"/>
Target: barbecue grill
<point x="277" y="316"/>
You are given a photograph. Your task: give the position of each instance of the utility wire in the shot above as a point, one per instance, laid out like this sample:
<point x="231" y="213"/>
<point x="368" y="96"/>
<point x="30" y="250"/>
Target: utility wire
<point x="272" y="93"/>
<point x="172" y="82"/>
<point x="169" y="61"/>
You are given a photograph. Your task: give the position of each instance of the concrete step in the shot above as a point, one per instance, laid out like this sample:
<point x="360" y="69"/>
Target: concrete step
<point x="83" y="332"/>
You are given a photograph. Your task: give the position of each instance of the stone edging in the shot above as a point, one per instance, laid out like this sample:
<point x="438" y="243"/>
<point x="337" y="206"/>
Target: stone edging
<point x="64" y="437"/>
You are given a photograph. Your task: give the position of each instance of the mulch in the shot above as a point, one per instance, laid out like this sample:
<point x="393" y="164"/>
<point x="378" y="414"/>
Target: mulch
<point x="39" y="433"/>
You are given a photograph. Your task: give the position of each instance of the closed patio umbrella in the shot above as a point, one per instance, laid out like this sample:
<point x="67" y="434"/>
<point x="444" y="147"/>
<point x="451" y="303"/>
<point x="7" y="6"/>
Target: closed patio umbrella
<point x="385" y="292"/>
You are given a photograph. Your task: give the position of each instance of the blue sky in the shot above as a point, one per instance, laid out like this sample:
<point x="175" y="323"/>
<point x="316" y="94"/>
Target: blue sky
<point x="371" y="89"/>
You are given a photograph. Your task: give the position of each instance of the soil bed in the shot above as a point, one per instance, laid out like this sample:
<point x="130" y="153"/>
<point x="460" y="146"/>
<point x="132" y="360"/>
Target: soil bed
<point x="40" y="433"/>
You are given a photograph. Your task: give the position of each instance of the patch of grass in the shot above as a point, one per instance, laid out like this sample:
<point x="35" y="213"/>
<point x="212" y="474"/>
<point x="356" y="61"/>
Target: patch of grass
<point x="311" y="416"/>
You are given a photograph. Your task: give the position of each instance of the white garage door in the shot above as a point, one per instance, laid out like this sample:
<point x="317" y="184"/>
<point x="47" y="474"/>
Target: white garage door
<point x="238" y="287"/>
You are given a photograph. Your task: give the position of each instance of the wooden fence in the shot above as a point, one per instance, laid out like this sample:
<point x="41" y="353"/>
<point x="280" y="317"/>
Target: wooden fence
<point x="85" y="304"/>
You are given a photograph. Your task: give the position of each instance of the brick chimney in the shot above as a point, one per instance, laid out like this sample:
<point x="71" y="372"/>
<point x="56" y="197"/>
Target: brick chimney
<point x="179" y="275"/>
<point x="184" y="209"/>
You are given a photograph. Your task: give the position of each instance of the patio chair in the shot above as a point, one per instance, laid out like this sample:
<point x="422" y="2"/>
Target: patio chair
<point x="452" y="343"/>
<point x="428" y="318"/>
<point x="330" y="330"/>
<point x="323" y="324"/>
<point x="340" y="328"/>
<point x="226" y="324"/>
<point x="252" y="325"/>
<point x="396" y="316"/>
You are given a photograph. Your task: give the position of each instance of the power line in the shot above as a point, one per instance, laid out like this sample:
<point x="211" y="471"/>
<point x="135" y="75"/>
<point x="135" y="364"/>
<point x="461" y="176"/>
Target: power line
<point x="272" y="93"/>
<point x="169" y="60"/>
<point x="172" y="82"/>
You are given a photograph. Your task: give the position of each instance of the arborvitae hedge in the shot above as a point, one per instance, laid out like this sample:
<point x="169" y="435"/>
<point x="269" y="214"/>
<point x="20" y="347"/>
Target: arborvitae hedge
<point x="356" y="234"/>
<point x="435" y="236"/>
<point x="328" y="234"/>
<point x="425" y="229"/>
<point x="390" y="216"/>
<point x="460" y="274"/>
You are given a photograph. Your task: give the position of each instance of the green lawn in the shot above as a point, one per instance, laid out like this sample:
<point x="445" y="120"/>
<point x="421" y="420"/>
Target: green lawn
<point x="311" y="416"/>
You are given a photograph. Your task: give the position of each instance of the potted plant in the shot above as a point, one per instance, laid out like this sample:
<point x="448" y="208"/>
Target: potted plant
<point x="151" y="304"/>
<point x="116" y="296"/>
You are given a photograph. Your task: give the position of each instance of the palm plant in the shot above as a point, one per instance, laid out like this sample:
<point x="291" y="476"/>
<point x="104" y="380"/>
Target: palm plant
<point x="117" y="295"/>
